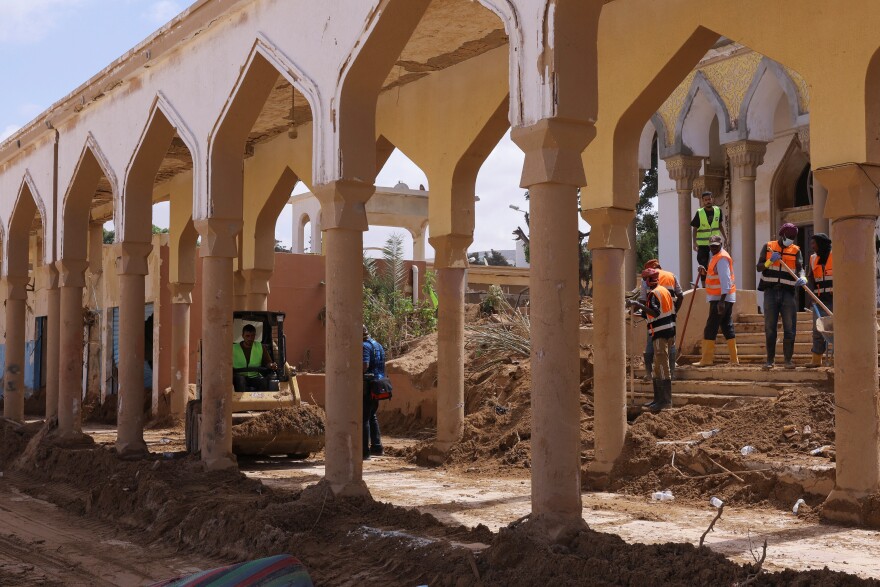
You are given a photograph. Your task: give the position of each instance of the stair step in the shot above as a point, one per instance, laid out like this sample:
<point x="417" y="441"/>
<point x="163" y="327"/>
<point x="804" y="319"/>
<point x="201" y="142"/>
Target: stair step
<point x="747" y="373"/>
<point x="759" y="338"/>
<point x="712" y="387"/>
<point x="743" y="327"/>
<point x="709" y="400"/>
<point x="800" y="361"/>
<point x="801" y="317"/>
<point x="755" y="349"/>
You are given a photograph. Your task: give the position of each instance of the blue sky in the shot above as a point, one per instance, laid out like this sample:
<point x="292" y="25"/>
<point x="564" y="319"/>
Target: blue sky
<point x="50" y="47"/>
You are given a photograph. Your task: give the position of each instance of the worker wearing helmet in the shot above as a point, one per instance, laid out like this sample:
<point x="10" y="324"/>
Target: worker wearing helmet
<point x="721" y="295"/>
<point x="820" y="280"/>
<point x="779" y="288"/>
<point x="668" y="280"/>
<point x="660" y="313"/>
<point x="707" y="222"/>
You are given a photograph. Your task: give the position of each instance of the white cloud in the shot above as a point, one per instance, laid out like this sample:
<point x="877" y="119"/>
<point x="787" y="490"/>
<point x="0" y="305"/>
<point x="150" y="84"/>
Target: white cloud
<point x="8" y="131"/>
<point x="30" y="21"/>
<point x="162" y="11"/>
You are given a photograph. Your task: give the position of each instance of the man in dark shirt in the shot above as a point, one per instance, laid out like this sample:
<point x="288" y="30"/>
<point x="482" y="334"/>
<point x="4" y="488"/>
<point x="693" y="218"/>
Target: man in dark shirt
<point x="374" y="369"/>
<point x="707" y="222"/>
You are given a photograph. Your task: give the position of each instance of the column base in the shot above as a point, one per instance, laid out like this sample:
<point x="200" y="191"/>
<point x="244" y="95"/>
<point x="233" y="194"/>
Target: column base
<point x="220" y="463"/>
<point x="73" y="439"/>
<point x="852" y="507"/>
<point x="555" y="528"/>
<point x="132" y="451"/>
<point x="350" y="489"/>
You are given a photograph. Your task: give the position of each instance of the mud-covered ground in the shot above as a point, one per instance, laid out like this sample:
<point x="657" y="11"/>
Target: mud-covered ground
<point x="228" y="516"/>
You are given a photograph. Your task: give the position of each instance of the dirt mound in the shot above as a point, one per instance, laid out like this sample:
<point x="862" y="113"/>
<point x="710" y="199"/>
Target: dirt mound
<point x="419" y="361"/>
<point x="305" y="419"/>
<point x="702" y="466"/>
<point x="346" y="541"/>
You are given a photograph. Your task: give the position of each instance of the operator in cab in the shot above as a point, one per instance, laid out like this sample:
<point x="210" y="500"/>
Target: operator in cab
<point x="246" y="354"/>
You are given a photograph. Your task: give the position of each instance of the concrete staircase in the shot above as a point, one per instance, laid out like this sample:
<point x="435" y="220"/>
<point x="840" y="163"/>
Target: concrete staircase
<point x="723" y="383"/>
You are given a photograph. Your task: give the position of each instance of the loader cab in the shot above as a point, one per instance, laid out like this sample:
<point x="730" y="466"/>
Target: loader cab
<point x="270" y="332"/>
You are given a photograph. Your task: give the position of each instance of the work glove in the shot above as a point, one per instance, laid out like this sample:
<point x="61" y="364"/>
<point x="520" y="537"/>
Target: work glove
<point x="775" y="256"/>
<point x="801" y="281"/>
<point x="722" y="307"/>
<point x="701" y="270"/>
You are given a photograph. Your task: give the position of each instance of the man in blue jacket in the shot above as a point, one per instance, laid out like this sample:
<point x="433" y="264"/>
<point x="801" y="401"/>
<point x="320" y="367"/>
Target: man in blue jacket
<point x="374" y="369"/>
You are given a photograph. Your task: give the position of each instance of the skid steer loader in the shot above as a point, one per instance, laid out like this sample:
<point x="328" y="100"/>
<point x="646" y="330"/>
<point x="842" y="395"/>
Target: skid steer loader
<point x="250" y="404"/>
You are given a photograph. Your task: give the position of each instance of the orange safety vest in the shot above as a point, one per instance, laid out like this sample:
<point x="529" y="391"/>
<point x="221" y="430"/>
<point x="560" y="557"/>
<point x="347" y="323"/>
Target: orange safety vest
<point x="666" y="279"/>
<point x="775" y="273"/>
<point x="713" y="280"/>
<point x="822" y="274"/>
<point x="666" y="319"/>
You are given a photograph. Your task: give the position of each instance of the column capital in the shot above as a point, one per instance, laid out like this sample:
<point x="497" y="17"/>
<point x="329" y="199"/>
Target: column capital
<point x="747" y="156"/>
<point x="51" y="273"/>
<point x="131" y="258"/>
<point x="16" y="287"/>
<point x="343" y="204"/>
<point x="553" y="149"/>
<point x="218" y="236"/>
<point x="72" y="272"/>
<point x="257" y="280"/>
<point x="609" y="228"/>
<point x="852" y="190"/>
<point x="684" y="169"/>
<point x="181" y="293"/>
<point x="450" y="250"/>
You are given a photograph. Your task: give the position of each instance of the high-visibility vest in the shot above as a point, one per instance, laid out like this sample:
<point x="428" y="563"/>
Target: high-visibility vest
<point x="706" y="230"/>
<point x="240" y="362"/>
<point x="822" y="274"/>
<point x="713" y="280"/>
<point x="666" y="279"/>
<point x="666" y="319"/>
<point x="775" y="273"/>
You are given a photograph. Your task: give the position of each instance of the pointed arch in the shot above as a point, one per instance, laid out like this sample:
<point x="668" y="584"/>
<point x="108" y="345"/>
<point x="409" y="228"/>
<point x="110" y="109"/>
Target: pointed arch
<point x="264" y="63"/>
<point x="702" y="89"/>
<point x="28" y="204"/>
<point x="264" y="233"/>
<point x="507" y="12"/>
<point x="92" y="165"/>
<point x="136" y="201"/>
<point x="770" y="83"/>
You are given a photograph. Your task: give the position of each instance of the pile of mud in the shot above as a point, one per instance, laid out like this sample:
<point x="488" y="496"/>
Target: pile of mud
<point x="346" y="540"/>
<point x="782" y="432"/>
<point x="305" y="419"/>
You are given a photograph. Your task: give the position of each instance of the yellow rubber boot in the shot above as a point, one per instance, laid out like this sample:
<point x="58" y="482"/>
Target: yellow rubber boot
<point x="708" y="358"/>
<point x="815" y="360"/>
<point x="731" y="349"/>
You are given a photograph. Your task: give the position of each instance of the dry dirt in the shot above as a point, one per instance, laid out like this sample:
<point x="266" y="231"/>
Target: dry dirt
<point x="173" y="503"/>
<point x="305" y="419"/>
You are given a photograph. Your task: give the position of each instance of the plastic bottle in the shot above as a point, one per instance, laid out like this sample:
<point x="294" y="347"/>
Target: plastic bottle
<point x="807" y="430"/>
<point x="748" y="450"/>
<point x="797" y="506"/>
<point x="710" y="433"/>
<point x="820" y="451"/>
<point x="662" y="496"/>
<point x="715" y="502"/>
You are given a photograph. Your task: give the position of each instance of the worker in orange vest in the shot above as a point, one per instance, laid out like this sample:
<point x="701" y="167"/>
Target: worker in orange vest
<point x="721" y="295"/>
<point x="668" y="280"/>
<point x="660" y="313"/>
<point x="820" y="279"/>
<point x="779" y="288"/>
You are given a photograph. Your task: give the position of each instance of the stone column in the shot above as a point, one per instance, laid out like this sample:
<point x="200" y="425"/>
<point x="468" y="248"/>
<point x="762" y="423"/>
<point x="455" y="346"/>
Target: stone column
<point x="552" y="172"/>
<point x="745" y="158"/>
<point x="345" y="220"/>
<point x="451" y="266"/>
<point x="13" y="376"/>
<point x="820" y="223"/>
<point x="53" y="320"/>
<point x="631" y="255"/>
<point x="608" y="242"/>
<point x="853" y="209"/>
<point x="239" y="286"/>
<point x="70" y="352"/>
<point x="419" y="243"/>
<point x="131" y="268"/>
<point x="684" y="170"/>
<point x="181" y="302"/>
<point x="257" y="289"/>
<point x="218" y="251"/>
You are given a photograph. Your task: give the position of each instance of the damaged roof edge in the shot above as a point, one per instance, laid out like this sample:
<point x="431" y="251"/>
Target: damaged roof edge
<point x="192" y="19"/>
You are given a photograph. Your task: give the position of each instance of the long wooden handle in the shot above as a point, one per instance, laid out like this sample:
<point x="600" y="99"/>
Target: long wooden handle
<point x="808" y="290"/>
<point x="679" y="351"/>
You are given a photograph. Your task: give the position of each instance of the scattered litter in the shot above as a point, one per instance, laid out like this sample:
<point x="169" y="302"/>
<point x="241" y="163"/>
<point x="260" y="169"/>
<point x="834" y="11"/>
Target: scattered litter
<point x="748" y="450"/>
<point x="822" y="451"/>
<point x="167" y="455"/>
<point x="789" y="431"/>
<point x="662" y="496"/>
<point x="807" y="430"/>
<point x="501" y="410"/>
<point x="165" y="441"/>
<point x="709" y="433"/>
<point x="684" y="442"/>
<point x="797" y="506"/>
<point x="715" y="502"/>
